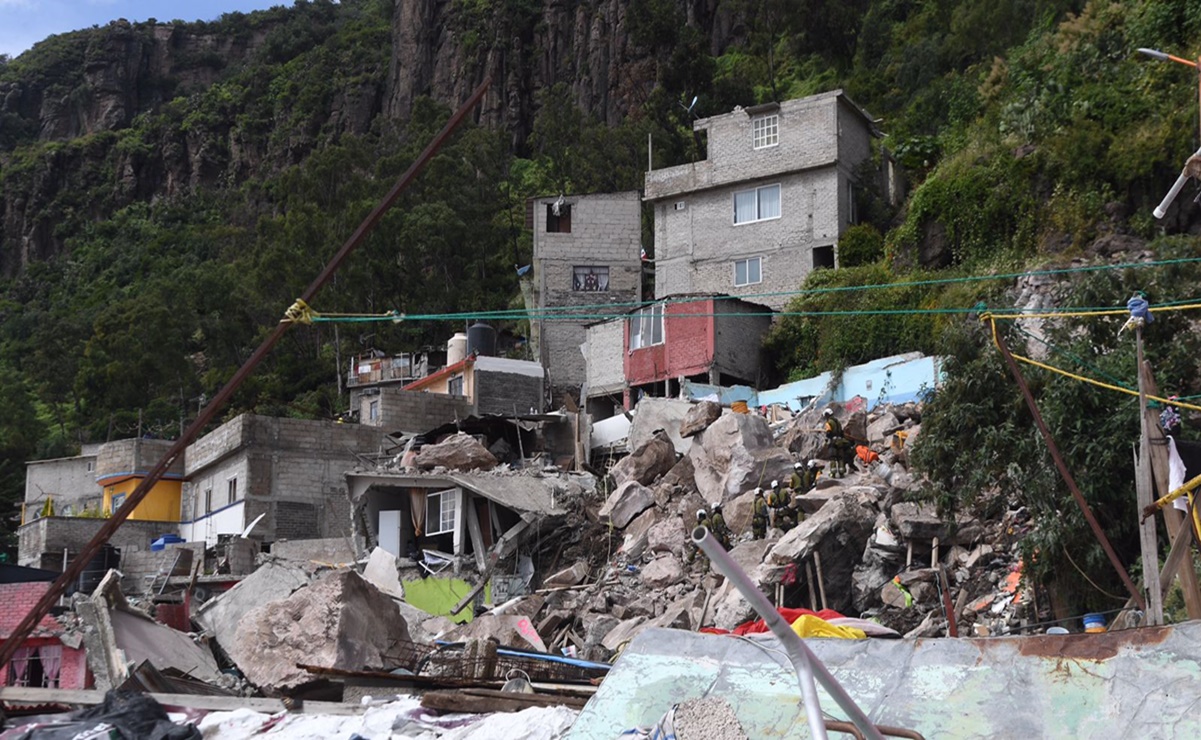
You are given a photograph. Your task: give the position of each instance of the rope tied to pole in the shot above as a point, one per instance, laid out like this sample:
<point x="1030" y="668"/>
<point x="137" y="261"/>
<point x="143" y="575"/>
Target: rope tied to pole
<point x="299" y="313"/>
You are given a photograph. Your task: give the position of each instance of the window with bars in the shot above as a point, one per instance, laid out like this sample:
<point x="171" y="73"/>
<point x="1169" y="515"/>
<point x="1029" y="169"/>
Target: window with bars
<point x="36" y="666"/>
<point x="759" y="204"/>
<point x="765" y="131"/>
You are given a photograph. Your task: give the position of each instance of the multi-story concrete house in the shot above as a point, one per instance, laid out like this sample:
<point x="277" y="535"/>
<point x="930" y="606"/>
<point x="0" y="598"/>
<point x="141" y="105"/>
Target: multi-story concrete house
<point x="587" y="253"/>
<point x="68" y="484"/>
<point x="768" y="203"/>
<point x="290" y="470"/>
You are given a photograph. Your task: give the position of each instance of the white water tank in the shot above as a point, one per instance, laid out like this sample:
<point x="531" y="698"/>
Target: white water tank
<point x="456" y="348"/>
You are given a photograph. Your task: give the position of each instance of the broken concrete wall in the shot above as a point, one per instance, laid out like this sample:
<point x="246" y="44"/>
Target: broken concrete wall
<point x="273" y="581"/>
<point x="340" y="621"/>
<point x="332" y="550"/>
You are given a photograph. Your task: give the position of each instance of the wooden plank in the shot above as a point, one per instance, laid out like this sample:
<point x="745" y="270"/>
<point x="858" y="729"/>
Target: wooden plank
<point x="27" y="695"/>
<point x="1148" y="539"/>
<point x="477" y="537"/>
<point x="1172" y="518"/>
<point x="483" y="701"/>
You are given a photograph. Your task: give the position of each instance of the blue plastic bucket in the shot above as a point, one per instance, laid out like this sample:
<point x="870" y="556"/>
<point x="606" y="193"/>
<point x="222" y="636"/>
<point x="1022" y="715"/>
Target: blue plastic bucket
<point x="1094" y="623"/>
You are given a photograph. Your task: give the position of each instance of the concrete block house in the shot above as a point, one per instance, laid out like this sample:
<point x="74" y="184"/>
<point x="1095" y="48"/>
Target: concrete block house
<point x="768" y="203"/>
<point x="587" y="253"/>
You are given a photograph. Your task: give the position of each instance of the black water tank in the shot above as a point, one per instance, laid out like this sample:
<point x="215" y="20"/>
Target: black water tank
<point x="107" y="558"/>
<point x="481" y="340"/>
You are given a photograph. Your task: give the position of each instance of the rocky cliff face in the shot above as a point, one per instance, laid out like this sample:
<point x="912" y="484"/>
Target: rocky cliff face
<point x="443" y="49"/>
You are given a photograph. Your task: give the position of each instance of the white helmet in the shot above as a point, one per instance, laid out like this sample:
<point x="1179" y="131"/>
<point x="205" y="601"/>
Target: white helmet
<point x="797" y="465"/>
<point x="828" y="412"/>
<point x="700" y="514"/>
<point x="758" y="491"/>
<point x="813" y="463"/>
<point x="775" y="484"/>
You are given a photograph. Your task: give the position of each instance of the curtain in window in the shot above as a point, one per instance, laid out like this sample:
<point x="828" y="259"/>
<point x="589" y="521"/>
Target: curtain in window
<point x="744" y="207"/>
<point x="657" y="324"/>
<point x="52" y="659"/>
<point x="417" y="509"/>
<point x="20" y="665"/>
<point x="769" y="202"/>
<point x="740" y="272"/>
<point x="753" y="270"/>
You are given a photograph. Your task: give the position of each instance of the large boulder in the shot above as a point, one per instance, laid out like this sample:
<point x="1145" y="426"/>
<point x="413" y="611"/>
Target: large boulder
<point x="914" y="521"/>
<point x="274" y="580"/>
<point x="699" y="417"/>
<point x="666" y="535"/>
<point x="662" y="572"/>
<point x="882" y="428"/>
<point x="839" y="532"/>
<point x="456" y="452"/>
<point x="636" y="534"/>
<point x="735" y="454"/>
<point x="340" y="621"/>
<point x="652" y="459"/>
<point x="652" y="414"/>
<point x="627" y="501"/>
<point x="730" y="608"/>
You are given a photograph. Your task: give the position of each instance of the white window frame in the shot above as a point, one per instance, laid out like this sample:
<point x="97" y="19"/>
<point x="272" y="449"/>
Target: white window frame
<point x="759" y="204"/>
<point x="448" y="512"/>
<point x="646" y="327"/>
<point x="373" y="410"/>
<point x="765" y="131"/>
<point x="758" y="261"/>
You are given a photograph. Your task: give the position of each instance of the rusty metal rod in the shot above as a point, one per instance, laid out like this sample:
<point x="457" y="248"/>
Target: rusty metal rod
<point x="1067" y="474"/>
<point x="23" y="629"/>
<point x="850" y="729"/>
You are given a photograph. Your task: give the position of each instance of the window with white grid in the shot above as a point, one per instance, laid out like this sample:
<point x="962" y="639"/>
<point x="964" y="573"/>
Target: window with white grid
<point x="765" y="131"/>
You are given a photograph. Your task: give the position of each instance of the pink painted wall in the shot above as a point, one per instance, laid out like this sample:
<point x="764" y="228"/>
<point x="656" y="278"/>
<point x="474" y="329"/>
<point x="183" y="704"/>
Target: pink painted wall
<point x="16" y="600"/>
<point x="687" y="348"/>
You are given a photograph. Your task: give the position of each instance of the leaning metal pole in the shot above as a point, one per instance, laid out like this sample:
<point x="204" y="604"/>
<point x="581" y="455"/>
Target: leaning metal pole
<point x="22" y="631"/>
<point x="1066" y="474"/>
<point x="807" y="665"/>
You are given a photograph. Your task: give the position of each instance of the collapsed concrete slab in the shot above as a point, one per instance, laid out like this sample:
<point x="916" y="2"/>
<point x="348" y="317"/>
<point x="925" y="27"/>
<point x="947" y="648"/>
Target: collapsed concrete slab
<point x="735" y="454"/>
<point x="381" y="572"/>
<point x="273" y="581"/>
<point x="142" y="638"/>
<point x="339" y="621"/>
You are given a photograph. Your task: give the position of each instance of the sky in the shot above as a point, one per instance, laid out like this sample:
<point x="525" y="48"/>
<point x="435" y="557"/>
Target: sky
<point x="25" y="22"/>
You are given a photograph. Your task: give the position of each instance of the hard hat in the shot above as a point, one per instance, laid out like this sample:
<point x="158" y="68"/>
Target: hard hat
<point x="797" y="466"/>
<point x="758" y="491"/>
<point x="717" y="507"/>
<point x="813" y="463"/>
<point x="700" y="514"/>
<point x="828" y="412"/>
<point x="775" y="484"/>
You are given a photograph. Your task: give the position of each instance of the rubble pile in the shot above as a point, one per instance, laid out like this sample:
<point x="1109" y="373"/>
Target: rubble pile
<point x="863" y="548"/>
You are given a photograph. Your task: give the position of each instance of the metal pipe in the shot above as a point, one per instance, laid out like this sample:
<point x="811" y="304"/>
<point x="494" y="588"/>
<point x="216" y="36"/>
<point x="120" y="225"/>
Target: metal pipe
<point x="806" y="663"/>
<point x="1161" y="210"/>
<point x="850" y="729"/>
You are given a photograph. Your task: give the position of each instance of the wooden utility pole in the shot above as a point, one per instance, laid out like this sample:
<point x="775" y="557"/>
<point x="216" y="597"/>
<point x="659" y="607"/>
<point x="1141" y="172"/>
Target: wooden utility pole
<point x="1172" y="517"/>
<point x="1148" y="540"/>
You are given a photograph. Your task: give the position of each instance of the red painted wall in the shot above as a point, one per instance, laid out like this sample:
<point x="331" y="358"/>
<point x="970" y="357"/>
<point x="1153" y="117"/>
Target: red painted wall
<point x="687" y="348"/>
<point x="17" y="600"/>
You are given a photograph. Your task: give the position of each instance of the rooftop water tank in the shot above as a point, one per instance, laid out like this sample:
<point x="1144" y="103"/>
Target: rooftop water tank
<point x="456" y="348"/>
<point x="481" y="340"/>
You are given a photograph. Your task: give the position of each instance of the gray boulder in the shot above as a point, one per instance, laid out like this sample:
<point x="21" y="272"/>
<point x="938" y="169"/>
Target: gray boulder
<point x="699" y="417"/>
<point x="652" y="459"/>
<point x="456" y="452"/>
<point x="627" y="501"/>
<point x="735" y="454"/>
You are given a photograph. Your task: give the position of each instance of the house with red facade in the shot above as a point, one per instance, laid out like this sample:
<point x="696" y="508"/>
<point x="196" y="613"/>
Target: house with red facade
<point x="711" y="339"/>
<point x="43" y="661"/>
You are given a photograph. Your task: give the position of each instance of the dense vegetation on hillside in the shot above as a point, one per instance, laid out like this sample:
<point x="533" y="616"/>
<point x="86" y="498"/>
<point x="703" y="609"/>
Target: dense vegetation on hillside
<point x="1031" y="133"/>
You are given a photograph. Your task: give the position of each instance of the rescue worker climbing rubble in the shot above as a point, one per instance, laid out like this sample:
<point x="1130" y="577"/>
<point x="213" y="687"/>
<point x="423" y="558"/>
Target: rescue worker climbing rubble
<point x="758" y="515"/>
<point x="805" y="476"/>
<point x="840" y="446"/>
<point x="780" y="502"/>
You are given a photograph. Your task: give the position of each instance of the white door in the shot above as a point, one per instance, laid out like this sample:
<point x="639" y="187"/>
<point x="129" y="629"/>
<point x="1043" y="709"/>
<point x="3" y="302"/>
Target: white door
<point x="389" y="531"/>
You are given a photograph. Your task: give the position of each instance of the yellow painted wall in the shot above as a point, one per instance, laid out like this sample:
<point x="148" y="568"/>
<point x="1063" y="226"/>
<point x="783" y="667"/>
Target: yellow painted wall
<point x="442" y="385"/>
<point x="160" y="505"/>
<point x="438" y="596"/>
